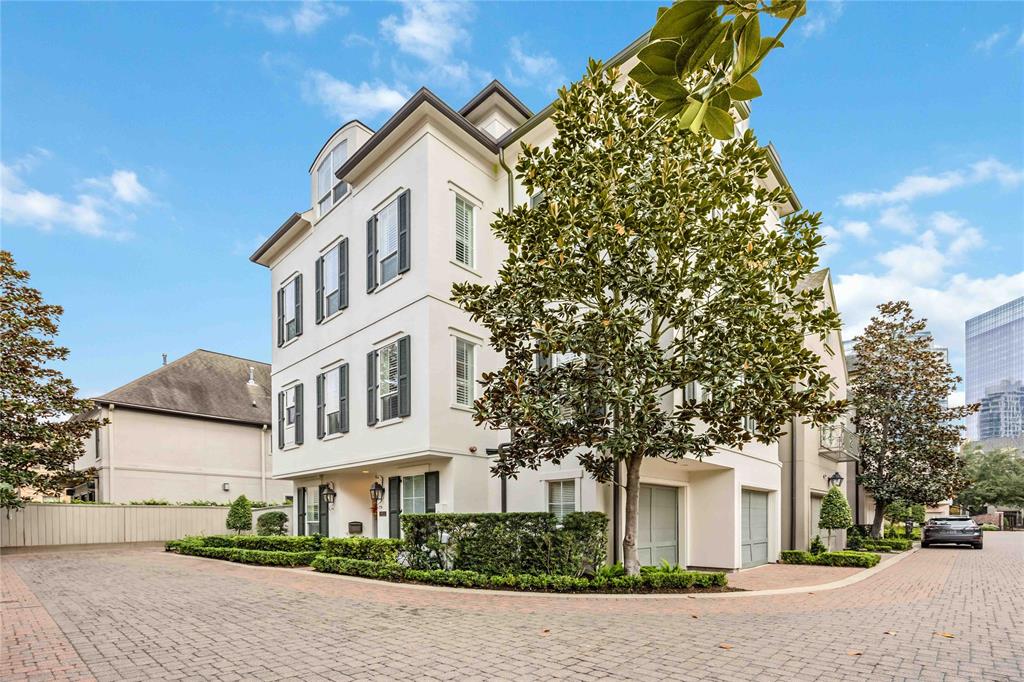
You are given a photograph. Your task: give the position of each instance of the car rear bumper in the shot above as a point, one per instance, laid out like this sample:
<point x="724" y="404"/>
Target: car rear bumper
<point x="948" y="538"/>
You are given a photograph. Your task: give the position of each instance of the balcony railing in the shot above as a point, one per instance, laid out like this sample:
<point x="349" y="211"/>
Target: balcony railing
<point x="839" y="442"/>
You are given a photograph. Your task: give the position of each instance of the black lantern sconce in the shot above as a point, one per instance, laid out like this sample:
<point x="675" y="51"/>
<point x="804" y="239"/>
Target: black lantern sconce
<point x="835" y="479"/>
<point x="377" y="491"/>
<point x="329" y="494"/>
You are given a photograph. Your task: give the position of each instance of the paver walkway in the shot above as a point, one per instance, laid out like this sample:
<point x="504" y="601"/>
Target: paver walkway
<point x="144" y="614"/>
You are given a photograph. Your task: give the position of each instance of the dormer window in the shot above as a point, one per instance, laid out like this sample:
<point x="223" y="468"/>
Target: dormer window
<point x="329" y="189"/>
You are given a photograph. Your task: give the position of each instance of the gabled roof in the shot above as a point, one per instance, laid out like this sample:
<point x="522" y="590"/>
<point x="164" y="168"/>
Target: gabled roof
<point x="495" y="87"/>
<point x="201" y="384"/>
<point x="813" y="280"/>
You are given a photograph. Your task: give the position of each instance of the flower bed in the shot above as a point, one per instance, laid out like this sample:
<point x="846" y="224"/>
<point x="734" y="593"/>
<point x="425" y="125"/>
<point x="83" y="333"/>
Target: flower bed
<point x="844" y="558"/>
<point x="650" y="580"/>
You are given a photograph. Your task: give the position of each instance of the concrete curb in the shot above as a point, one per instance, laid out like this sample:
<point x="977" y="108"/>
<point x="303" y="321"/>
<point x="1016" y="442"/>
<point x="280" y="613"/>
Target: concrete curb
<point x="863" y="575"/>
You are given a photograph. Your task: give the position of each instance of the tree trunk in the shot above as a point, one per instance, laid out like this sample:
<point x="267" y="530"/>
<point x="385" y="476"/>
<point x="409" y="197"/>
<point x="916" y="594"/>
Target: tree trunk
<point x="630" y="558"/>
<point x="876" y="526"/>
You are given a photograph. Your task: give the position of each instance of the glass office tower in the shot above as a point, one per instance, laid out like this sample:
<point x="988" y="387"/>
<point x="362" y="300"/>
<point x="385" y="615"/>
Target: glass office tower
<point x="995" y="372"/>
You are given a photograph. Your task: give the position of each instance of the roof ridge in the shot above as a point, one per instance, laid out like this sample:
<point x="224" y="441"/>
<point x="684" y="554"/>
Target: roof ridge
<point x="147" y="374"/>
<point x="230" y="355"/>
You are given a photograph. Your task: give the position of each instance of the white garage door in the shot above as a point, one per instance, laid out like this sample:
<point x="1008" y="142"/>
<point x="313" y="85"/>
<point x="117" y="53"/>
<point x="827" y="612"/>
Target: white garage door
<point x="754" y="542"/>
<point x="658" y="525"/>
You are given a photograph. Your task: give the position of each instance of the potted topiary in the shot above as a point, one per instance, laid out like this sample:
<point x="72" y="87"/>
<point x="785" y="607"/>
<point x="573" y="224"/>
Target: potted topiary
<point x="835" y="512"/>
<point x="240" y="515"/>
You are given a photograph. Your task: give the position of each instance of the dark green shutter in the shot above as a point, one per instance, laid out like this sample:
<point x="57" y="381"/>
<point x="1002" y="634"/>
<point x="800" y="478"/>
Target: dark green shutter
<point x="403" y="232"/>
<point x="543" y="361"/>
<point x="320" y="381"/>
<point x="343" y="397"/>
<point x="280" y="317"/>
<point x="298" y="414"/>
<point x="280" y="420"/>
<point x="404" y="367"/>
<point x="298" y="305"/>
<point x="432" y="484"/>
<point x="394" y="506"/>
<point x="300" y="527"/>
<point x="371" y="389"/>
<point x="343" y="274"/>
<point x="325" y="528"/>
<point x="319" y="279"/>
<point x="371" y="254"/>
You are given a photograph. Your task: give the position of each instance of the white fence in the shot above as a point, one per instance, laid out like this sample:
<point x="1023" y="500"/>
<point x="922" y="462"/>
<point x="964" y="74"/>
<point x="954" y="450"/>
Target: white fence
<point x="85" y="524"/>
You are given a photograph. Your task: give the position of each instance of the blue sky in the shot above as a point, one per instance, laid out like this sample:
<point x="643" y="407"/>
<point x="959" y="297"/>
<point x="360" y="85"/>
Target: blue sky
<point x="148" y="148"/>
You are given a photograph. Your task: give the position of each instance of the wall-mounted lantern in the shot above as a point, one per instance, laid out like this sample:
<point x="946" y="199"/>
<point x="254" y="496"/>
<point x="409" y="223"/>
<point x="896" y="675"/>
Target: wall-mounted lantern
<point x="329" y="494"/>
<point x="835" y="479"/>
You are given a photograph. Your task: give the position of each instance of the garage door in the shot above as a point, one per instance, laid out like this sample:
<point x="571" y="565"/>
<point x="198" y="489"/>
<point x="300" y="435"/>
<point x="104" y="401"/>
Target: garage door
<point x="658" y="525"/>
<point x="754" y="543"/>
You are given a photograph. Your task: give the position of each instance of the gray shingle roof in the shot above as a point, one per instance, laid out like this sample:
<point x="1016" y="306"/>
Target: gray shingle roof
<point x="202" y="383"/>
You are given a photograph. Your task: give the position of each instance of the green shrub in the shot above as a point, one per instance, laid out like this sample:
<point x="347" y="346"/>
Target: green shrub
<point x="648" y="581"/>
<point x="240" y="515"/>
<point x="277" y="543"/>
<point x="507" y="544"/>
<point x="817" y="546"/>
<point x="835" y="512"/>
<point x="367" y="549"/>
<point x="882" y="545"/>
<point x="989" y="526"/>
<point x="271" y="523"/>
<point x="151" y="503"/>
<point x="244" y="556"/>
<point x="845" y="558"/>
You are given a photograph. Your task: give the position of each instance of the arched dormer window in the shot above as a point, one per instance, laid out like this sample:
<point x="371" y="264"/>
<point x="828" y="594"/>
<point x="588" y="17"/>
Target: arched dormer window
<point x="329" y="189"/>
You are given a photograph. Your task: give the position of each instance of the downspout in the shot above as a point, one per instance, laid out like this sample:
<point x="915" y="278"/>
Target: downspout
<point x="792" y="484"/>
<point x="263" y="463"/>
<point x="616" y="520"/>
<point x="856" y="492"/>
<point x="110" y="454"/>
<point x="511" y="200"/>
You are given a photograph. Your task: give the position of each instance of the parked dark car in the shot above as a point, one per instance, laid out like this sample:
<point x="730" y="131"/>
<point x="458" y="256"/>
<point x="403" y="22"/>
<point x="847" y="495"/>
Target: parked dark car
<point x="952" y="530"/>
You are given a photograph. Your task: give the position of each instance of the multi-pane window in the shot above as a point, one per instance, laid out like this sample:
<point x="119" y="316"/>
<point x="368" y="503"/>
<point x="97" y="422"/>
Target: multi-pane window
<point x="329" y="189"/>
<point x="387" y="381"/>
<point x="289" y="416"/>
<point x="464" y="372"/>
<point x="464" y="225"/>
<point x="387" y="242"/>
<point x="332" y="281"/>
<point x="750" y="424"/>
<point x="693" y="392"/>
<point x="289" y="310"/>
<point x="312" y="510"/>
<point x="332" y="402"/>
<point x="561" y="497"/>
<point x="414" y="495"/>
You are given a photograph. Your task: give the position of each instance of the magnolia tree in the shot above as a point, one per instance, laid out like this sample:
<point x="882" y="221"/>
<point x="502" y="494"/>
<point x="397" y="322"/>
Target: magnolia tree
<point x="646" y="270"/>
<point x="38" y="441"/>
<point x="908" y="439"/>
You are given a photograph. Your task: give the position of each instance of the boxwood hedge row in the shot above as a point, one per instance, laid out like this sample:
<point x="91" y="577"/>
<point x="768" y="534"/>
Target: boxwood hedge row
<point x="844" y="558"/>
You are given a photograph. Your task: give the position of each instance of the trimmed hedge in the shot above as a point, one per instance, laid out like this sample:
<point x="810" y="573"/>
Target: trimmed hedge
<point x="885" y="545"/>
<point x="648" y="581"/>
<point x="243" y="556"/>
<point x="266" y="543"/>
<point x="844" y="558"/>
<point x="368" y="549"/>
<point x="517" y="543"/>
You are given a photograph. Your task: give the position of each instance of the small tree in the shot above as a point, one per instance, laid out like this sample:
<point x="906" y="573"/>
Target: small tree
<point x="271" y="523"/>
<point x="896" y="512"/>
<point x="835" y="512"/>
<point x="240" y="514"/>
<point x="39" y="442"/>
<point x="908" y="440"/>
<point x="996" y="477"/>
<point x="645" y="272"/>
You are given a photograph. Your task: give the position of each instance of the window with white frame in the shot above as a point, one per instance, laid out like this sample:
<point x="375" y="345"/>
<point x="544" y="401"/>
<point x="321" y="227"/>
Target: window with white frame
<point x="387" y="242"/>
<point x="332" y="401"/>
<point x="464" y="227"/>
<point x="414" y="495"/>
<point x="329" y="189"/>
<point x="289" y="310"/>
<point x="562" y="497"/>
<point x="332" y="281"/>
<point x="387" y="381"/>
<point x="465" y="352"/>
<point x="312" y="510"/>
<point x="693" y="392"/>
<point x="289" y="416"/>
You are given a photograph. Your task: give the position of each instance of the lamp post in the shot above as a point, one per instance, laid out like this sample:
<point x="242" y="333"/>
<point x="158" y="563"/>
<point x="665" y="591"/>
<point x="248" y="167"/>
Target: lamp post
<point x="376" y="496"/>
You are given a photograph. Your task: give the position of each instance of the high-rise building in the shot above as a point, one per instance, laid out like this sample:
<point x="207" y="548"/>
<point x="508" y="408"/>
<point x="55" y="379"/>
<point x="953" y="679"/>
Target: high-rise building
<point x="995" y="373"/>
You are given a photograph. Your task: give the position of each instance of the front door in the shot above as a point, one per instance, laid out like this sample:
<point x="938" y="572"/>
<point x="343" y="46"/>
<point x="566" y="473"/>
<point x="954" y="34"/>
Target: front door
<point x="658" y="525"/>
<point x="754" y="542"/>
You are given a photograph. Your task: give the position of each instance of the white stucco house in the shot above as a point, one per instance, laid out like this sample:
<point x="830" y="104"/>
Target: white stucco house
<point x="374" y="369"/>
<point x="197" y="428"/>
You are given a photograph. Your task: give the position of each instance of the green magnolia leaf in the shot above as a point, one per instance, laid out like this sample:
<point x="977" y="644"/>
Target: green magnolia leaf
<point x="660" y="57"/>
<point x="706" y="47"/>
<point x="665" y="88"/>
<point x="689" y="114"/>
<point x="747" y="88"/>
<point x="722" y="101"/>
<point x="671" y="107"/>
<point x="681" y="18"/>
<point x="698" y="118"/>
<point x="784" y="9"/>
<point x="642" y="74"/>
<point x="719" y="123"/>
<point x="749" y="44"/>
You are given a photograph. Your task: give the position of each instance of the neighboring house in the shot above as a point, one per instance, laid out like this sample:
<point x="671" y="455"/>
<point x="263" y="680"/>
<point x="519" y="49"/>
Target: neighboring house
<point x="375" y="370"/>
<point x="811" y="456"/>
<point x="197" y="428"/>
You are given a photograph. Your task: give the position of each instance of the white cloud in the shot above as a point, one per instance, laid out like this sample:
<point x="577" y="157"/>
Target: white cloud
<point x="898" y="218"/>
<point x="1020" y="41"/>
<point x="346" y="101"/>
<point x="820" y="15"/>
<point x="991" y="40"/>
<point x="88" y="212"/>
<point x="429" y="30"/>
<point x="858" y="228"/>
<point x="947" y="223"/>
<point x="537" y="69"/>
<point x="916" y="186"/>
<point x="833" y="239"/>
<point x="303" y="18"/>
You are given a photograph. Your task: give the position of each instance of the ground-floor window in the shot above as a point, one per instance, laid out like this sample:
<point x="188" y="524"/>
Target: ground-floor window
<point x="414" y="494"/>
<point x="312" y="510"/>
<point x="561" y="497"/>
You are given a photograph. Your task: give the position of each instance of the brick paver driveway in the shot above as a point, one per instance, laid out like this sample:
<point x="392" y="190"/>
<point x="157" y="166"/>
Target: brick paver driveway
<point x="144" y="614"/>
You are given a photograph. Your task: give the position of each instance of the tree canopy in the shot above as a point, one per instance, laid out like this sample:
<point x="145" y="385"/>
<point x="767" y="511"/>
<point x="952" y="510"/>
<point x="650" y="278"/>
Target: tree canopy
<point x="41" y="428"/>
<point x="908" y="438"/>
<point x="645" y="309"/>
<point x="995" y="477"/>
